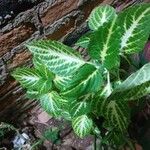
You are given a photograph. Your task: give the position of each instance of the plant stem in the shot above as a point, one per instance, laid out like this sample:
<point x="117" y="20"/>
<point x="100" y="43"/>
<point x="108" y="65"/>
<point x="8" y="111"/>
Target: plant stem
<point x="39" y="142"/>
<point x="95" y="139"/>
<point x="129" y="61"/>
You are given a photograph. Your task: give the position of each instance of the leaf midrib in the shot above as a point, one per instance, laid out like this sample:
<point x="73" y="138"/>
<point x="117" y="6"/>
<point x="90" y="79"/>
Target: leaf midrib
<point x="83" y="82"/>
<point x="61" y="55"/>
<point x="129" y="32"/>
<point x="103" y="53"/>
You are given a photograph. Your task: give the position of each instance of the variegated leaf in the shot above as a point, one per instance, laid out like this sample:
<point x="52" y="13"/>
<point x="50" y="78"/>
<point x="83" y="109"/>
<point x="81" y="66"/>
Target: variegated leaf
<point x="105" y="44"/>
<point x="32" y="79"/>
<point x="117" y="114"/>
<point x="27" y="77"/>
<point x="78" y="108"/>
<point x="114" y="137"/>
<point x="82" y="125"/>
<point x="135" y="86"/>
<point x="99" y="106"/>
<point x="99" y="102"/>
<point x="52" y="103"/>
<point x="101" y="15"/>
<point x="133" y="93"/>
<point x="42" y="69"/>
<point x="61" y="82"/>
<point x="87" y="79"/>
<point x="135" y="27"/>
<point x="84" y="40"/>
<point x="57" y="57"/>
<point x="32" y="94"/>
<point x="66" y="115"/>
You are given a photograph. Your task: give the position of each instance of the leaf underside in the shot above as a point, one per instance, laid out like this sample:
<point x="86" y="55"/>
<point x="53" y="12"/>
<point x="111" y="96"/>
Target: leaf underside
<point x="135" y="86"/>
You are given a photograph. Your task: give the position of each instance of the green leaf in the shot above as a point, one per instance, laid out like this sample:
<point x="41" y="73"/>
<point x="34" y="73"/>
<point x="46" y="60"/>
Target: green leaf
<point x="52" y="103"/>
<point x="117" y="114"/>
<point x="31" y="79"/>
<point x="61" y="82"/>
<point x="66" y="115"/>
<point x="135" y="27"/>
<point x="135" y="86"/>
<point x="114" y="138"/>
<point x="57" y="57"/>
<point x="84" y="40"/>
<point x="99" y="105"/>
<point x="133" y="93"/>
<point x="99" y="101"/>
<point x="101" y="15"/>
<point x="86" y="79"/>
<point x="79" y="108"/>
<point x="44" y="86"/>
<point x="82" y="125"/>
<point x="32" y="94"/>
<point x="42" y="69"/>
<point x="105" y="44"/>
<point x="65" y="112"/>
<point x="28" y="78"/>
<point x="52" y="135"/>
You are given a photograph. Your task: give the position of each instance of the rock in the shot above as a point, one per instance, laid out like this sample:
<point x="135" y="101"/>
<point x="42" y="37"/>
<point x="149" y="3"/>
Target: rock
<point x="43" y="117"/>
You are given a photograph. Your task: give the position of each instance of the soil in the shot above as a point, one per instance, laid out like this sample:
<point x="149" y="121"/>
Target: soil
<point x="42" y="121"/>
<point x="37" y="122"/>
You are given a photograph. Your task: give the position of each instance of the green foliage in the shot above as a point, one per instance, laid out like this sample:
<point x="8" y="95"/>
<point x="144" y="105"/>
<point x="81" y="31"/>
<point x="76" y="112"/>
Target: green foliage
<point x="88" y="79"/>
<point x="5" y="128"/>
<point x="135" y="86"/>
<point x="78" y="108"/>
<point x="34" y="80"/>
<point x="57" y="57"/>
<point x="51" y="102"/>
<point x="82" y="125"/>
<point x="105" y="44"/>
<point x="80" y="91"/>
<point x="84" y="40"/>
<point x="101" y="15"/>
<point x="51" y="135"/>
<point x="117" y="115"/>
<point x="134" y="23"/>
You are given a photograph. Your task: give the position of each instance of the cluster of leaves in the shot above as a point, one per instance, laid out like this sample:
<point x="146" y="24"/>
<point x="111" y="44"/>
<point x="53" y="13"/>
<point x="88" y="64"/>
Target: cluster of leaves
<point x="70" y="87"/>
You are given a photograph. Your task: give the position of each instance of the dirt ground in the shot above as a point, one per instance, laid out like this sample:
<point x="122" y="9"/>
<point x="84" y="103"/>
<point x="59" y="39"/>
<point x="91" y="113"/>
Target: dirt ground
<point x="69" y="141"/>
<point x="36" y="123"/>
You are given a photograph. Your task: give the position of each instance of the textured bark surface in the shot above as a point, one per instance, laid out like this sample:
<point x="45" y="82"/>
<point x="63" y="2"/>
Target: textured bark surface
<point x="62" y="20"/>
